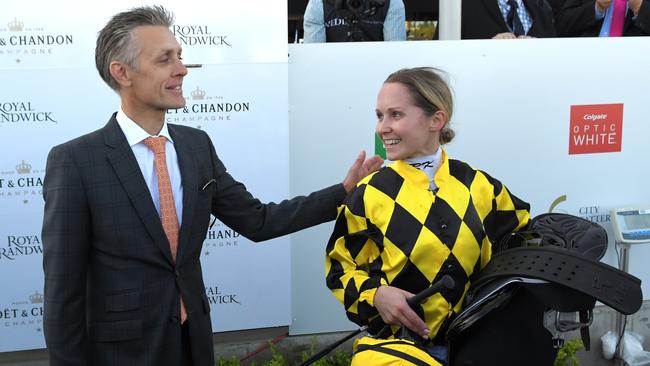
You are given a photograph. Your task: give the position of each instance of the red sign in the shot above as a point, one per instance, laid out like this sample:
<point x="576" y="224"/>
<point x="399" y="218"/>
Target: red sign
<point x="596" y="128"/>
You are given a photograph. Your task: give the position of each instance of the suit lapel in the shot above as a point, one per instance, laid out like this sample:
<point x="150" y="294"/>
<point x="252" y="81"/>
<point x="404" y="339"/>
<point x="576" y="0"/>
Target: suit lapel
<point x="492" y="7"/>
<point x="188" y="168"/>
<point x="121" y="157"/>
<point x="628" y="20"/>
<point x="532" y="10"/>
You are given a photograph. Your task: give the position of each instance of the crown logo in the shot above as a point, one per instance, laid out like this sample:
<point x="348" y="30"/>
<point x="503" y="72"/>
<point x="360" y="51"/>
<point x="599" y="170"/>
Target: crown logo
<point x="23" y="168"/>
<point x="36" y="298"/>
<point x="198" y="94"/>
<point x="15" y="25"/>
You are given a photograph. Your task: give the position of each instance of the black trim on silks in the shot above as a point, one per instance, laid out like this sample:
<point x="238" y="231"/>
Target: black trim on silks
<point x="399" y="354"/>
<point x="616" y="289"/>
<point x="441" y="336"/>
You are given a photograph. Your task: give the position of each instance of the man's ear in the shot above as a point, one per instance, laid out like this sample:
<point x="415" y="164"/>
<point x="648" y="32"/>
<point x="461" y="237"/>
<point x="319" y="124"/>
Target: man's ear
<point x="121" y="73"/>
<point x="438" y="120"/>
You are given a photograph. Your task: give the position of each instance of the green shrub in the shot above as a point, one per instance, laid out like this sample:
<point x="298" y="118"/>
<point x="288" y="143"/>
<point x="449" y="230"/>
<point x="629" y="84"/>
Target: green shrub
<point x="233" y="361"/>
<point x="336" y="358"/>
<point x="339" y="357"/>
<point x="566" y="356"/>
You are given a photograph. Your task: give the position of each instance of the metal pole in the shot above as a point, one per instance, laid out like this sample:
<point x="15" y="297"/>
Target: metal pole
<point x="449" y="19"/>
<point x="620" y="318"/>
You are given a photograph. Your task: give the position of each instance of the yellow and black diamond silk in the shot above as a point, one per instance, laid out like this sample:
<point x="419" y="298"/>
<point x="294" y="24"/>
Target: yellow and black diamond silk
<point x="392" y="230"/>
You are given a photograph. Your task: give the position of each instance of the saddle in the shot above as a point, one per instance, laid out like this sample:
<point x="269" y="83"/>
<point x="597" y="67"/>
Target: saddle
<point x="540" y="283"/>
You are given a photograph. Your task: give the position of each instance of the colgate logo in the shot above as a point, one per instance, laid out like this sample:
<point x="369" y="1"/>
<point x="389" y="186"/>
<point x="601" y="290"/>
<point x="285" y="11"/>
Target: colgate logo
<point x="596" y="128"/>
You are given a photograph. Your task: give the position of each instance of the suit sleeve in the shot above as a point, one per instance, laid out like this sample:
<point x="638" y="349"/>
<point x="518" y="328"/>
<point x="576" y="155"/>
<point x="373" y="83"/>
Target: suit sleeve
<point x="350" y="253"/>
<point x="241" y="211"/>
<point x="395" y="22"/>
<point x="575" y="17"/>
<point x="314" y="23"/>
<point x="65" y="234"/>
<point x="642" y="20"/>
<point x="545" y="20"/>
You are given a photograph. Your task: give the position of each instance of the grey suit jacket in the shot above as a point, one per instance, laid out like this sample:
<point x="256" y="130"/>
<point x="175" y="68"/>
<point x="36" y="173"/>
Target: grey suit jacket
<point x="111" y="288"/>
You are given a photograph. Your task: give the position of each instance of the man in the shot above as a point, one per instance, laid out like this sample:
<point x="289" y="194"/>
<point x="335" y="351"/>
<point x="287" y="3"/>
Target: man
<point x="354" y="20"/>
<point x="505" y="19"/>
<point x="593" y="18"/>
<point x="127" y="208"/>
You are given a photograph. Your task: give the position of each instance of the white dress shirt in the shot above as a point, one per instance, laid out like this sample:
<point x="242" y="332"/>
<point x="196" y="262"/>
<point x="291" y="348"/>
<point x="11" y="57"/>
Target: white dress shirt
<point x="145" y="158"/>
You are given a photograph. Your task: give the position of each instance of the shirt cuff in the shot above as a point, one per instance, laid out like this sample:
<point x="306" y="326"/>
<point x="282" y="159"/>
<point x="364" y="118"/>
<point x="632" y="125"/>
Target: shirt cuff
<point x="599" y="14"/>
<point x="369" y="295"/>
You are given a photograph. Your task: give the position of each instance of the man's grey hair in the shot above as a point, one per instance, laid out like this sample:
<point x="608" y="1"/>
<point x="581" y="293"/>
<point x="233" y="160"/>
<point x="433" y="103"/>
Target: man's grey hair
<point x="115" y="41"/>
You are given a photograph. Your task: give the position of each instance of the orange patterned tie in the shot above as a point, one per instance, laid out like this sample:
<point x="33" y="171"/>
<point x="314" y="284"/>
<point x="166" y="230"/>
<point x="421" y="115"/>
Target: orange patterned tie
<point x="166" y="198"/>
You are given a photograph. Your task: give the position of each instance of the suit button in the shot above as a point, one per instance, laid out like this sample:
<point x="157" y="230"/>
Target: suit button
<point x="177" y="273"/>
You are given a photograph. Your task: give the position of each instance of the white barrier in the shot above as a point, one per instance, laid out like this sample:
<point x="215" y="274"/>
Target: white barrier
<point x="309" y="118"/>
<point x="51" y="93"/>
<point x="513" y="118"/>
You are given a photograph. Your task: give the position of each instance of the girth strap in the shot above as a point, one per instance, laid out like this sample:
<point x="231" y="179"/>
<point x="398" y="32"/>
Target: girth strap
<point x="616" y="289"/>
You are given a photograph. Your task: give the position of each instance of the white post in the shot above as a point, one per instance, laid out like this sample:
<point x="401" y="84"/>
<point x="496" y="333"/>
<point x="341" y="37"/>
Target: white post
<point x="449" y="19"/>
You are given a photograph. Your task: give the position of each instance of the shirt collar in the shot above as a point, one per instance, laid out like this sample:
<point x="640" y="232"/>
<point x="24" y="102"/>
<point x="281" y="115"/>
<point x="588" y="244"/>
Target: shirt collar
<point x="427" y="164"/>
<point x="504" y="3"/>
<point x="134" y="133"/>
<point x="420" y="178"/>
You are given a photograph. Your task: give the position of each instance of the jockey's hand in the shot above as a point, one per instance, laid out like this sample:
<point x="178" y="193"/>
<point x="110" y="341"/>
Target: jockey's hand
<point x="393" y="309"/>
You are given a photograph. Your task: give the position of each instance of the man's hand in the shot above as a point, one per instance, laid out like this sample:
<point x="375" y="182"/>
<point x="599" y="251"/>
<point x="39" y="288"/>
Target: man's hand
<point x="506" y="35"/>
<point x="602" y="5"/>
<point x="635" y="6"/>
<point x="393" y="309"/>
<point x="360" y="169"/>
